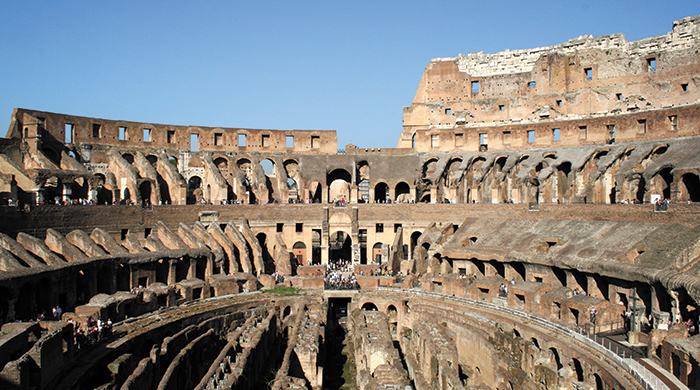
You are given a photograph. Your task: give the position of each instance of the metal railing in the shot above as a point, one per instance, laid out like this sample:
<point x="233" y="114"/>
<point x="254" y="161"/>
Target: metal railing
<point x="645" y="377"/>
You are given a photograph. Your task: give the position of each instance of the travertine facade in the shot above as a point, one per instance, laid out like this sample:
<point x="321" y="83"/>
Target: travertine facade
<point x="470" y="257"/>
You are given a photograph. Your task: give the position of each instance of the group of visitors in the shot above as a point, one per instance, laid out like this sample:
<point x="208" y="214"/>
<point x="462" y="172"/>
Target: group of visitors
<point x="95" y="332"/>
<point x="340" y="275"/>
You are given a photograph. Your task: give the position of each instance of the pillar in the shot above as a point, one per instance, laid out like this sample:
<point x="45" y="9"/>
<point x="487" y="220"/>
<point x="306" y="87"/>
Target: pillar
<point x="172" y="272"/>
<point x="325" y="233"/>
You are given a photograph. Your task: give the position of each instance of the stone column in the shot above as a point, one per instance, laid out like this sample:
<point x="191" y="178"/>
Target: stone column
<point x="356" y="256"/>
<point x="325" y="234"/>
<point x="172" y="271"/>
<point x="192" y="270"/>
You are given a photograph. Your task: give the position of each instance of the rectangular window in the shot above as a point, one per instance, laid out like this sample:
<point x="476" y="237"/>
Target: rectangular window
<point x="299" y="228"/>
<point x="611" y="133"/>
<point x="506" y="137"/>
<point x="583" y="132"/>
<point x="459" y="139"/>
<point x="434" y="140"/>
<point x="684" y="87"/>
<point x="362" y="235"/>
<point x="558" y="103"/>
<point x="218" y="139"/>
<point x="448" y="111"/>
<point x="146" y="135"/>
<point x="651" y="64"/>
<point x="673" y="119"/>
<point x="96" y="130"/>
<point x="280" y="227"/>
<point x="171" y="136"/>
<point x="315" y="142"/>
<point x="241" y="140"/>
<point x="532" y="84"/>
<point x="379" y="228"/>
<point x="122" y="133"/>
<point x="589" y="73"/>
<point x="124" y="233"/>
<point x="290" y="142"/>
<point x="265" y="140"/>
<point x="475" y="87"/>
<point x="397" y="226"/>
<point x="531" y="136"/>
<point x="69" y="133"/>
<point x="501" y="107"/>
<point x="642" y="126"/>
<point x="556" y="134"/>
<point x="618" y="96"/>
<point x="483" y="138"/>
<point x="194" y="142"/>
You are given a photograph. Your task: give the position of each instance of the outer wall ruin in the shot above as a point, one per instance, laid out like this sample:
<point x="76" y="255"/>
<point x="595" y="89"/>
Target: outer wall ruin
<point x="536" y="228"/>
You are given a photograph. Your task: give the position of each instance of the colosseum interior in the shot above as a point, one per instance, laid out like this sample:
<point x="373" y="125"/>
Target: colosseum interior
<point x="537" y="227"/>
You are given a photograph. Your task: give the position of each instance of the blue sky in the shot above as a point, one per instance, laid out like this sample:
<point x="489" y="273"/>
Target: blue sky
<point x="345" y="66"/>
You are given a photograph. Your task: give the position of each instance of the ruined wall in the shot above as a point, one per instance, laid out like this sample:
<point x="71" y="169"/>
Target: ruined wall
<point x="491" y="101"/>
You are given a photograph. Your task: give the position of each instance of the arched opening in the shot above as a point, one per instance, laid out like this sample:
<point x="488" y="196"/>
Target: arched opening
<point x="641" y="185"/>
<point x="413" y="140"/>
<point x="194" y="190"/>
<point x="667" y="178"/>
<point x="315" y="192"/>
<point x="369" y="306"/>
<point x="145" y="192"/>
<point x="268" y="166"/>
<point x="53" y="190"/>
<point x="598" y="382"/>
<point x="338" y="182"/>
<point x="128" y="157"/>
<point x="340" y="247"/>
<point x="381" y="193"/>
<point x="691" y="190"/>
<point x="299" y="252"/>
<point x="152" y="159"/>
<point x="363" y="176"/>
<point x="268" y="261"/>
<point x="403" y="192"/>
<point x="316" y="246"/>
<point x="377" y="253"/>
<point x="555" y="356"/>
<point x="415" y="236"/>
<point x="579" y="370"/>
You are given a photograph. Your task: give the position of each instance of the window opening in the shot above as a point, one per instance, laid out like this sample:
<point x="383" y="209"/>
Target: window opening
<point x="651" y="64"/>
<point x="589" y="74"/>
<point x="684" y="87"/>
<point x="556" y="134"/>
<point x="146" y="135"/>
<point x="532" y="84"/>
<point x="171" y="136"/>
<point x="290" y="141"/>
<point x="380" y="228"/>
<point x="448" y="111"/>
<point x="641" y="126"/>
<point x="506" y="137"/>
<point x="582" y="132"/>
<point x="218" y="139"/>
<point x="280" y="227"/>
<point x="434" y="141"/>
<point x="618" y="96"/>
<point x="265" y="140"/>
<point x="611" y="134"/>
<point x="69" y="133"/>
<point x="673" y="119"/>
<point x="241" y="140"/>
<point x="397" y="226"/>
<point x="194" y="142"/>
<point x="315" y="142"/>
<point x="96" y="130"/>
<point x="475" y="87"/>
<point x="299" y="228"/>
<point x="483" y="138"/>
<point x="122" y="133"/>
<point x="531" y="136"/>
<point x="558" y="103"/>
<point x="459" y="139"/>
<point x="501" y="107"/>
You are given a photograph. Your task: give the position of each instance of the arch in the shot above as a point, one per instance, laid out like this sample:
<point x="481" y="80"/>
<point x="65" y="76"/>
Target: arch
<point x="173" y="161"/>
<point x="339" y="189"/>
<point x="578" y="368"/>
<point x="500" y="163"/>
<point x="598" y="382"/>
<point x="369" y="306"/>
<point x="377" y="252"/>
<point x="339" y="246"/>
<point x="268" y="261"/>
<point x="269" y="167"/>
<point x="194" y="189"/>
<point x="666" y="179"/>
<point x="299" y="252"/>
<point x="691" y="187"/>
<point x="391" y="308"/>
<point x="381" y="193"/>
<point x="415" y="236"/>
<point x="152" y="159"/>
<point x="145" y="191"/>
<point x="315" y="189"/>
<point x="128" y="157"/>
<point x="402" y="192"/>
